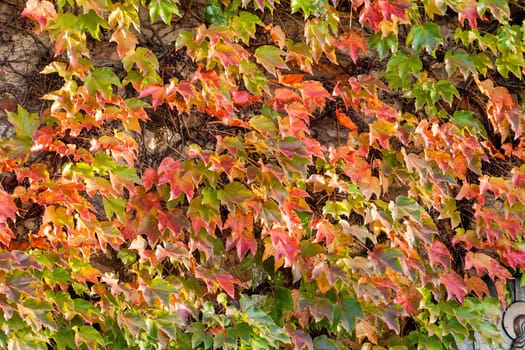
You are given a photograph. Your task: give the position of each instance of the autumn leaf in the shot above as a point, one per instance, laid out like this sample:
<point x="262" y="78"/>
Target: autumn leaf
<point x="40" y="11"/>
<point x="454" y="284"/>
<point x="284" y="244"/>
<point x="352" y="41"/>
<point x="270" y="57"/>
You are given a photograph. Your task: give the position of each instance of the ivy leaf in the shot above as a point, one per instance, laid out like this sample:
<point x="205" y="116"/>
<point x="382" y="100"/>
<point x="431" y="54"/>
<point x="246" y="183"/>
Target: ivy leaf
<point x="234" y="193"/>
<point x="284" y="244"/>
<point x="40" y="11"/>
<point x="438" y="253"/>
<point x="163" y="8"/>
<point x="25" y="123"/>
<point x="466" y="119"/>
<point x="92" y="23"/>
<point x="351" y="309"/>
<point x="383" y="257"/>
<point x="352" y="41"/>
<point x="426" y="36"/>
<point x="396" y="8"/>
<point x="89" y="336"/>
<point x="270" y="57"/>
<point x="244" y="25"/>
<point x="101" y="80"/>
<point x="159" y="289"/>
<point x="435" y="7"/>
<point x="484" y="263"/>
<point x="467" y="10"/>
<point x="461" y="60"/>
<point x="455" y="285"/>
<point x="115" y="205"/>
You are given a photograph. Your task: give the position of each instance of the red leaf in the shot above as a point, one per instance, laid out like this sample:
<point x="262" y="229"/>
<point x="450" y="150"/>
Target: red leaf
<point x="284" y="244"/>
<point x="476" y="285"/>
<point x="314" y="95"/>
<point x="40" y="11"/>
<point x="244" y="98"/>
<point x="242" y="237"/>
<point x="482" y="262"/>
<point x="345" y="121"/>
<point x="227" y="282"/>
<point x="170" y="172"/>
<point x="438" y="253"/>
<point x="515" y="258"/>
<point x="284" y="97"/>
<point x="396" y="8"/>
<point x="371" y="14"/>
<point x="157" y="92"/>
<point x="149" y="178"/>
<point x="325" y="230"/>
<point x="469" y="12"/>
<point x="8" y="208"/>
<point x="455" y="285"/>
<point x="352" y="41"/>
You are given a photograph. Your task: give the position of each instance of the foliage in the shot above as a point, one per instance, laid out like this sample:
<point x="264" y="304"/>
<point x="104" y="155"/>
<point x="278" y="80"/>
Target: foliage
<point x="269" y="238"/>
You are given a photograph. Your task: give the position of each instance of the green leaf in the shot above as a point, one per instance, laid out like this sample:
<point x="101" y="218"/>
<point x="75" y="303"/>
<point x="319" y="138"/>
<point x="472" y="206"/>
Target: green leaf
<point x="307" y="6"/>
<point x="447" y="90"/>
<point x="234" y="193"/>
<point x="426" y="36"/>
<point x="324" y="343"/>
<point x="89" y="336"/>
<point x="351" y="309"/>
<point x="465" y="119"/>
<point x="270" y="58"/>
<point x="399" y="66"/>
<point x="115" y="205"/>
<point x="25" y="123"/>
<point x="383" y="46"/>
<point x="244" y="25"/>
<point x="92" y="22"/>
<point x="461" y="60"/>
<point x="102" y="80"/>
<point x="163" y="8"/>
<point x="159" y="289"/>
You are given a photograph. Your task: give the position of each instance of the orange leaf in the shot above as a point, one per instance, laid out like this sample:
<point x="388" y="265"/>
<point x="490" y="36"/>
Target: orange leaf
<point x="352" y="41"/>
<point x="40" y="11"/>
<point x="345" y="121"/>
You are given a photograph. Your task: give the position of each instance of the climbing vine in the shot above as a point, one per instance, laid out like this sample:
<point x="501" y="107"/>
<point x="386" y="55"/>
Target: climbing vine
<point x="400" y="233"/>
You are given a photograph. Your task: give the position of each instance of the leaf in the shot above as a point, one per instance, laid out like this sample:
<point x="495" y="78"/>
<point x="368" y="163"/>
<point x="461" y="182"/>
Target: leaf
<point x="383" y="257"/>
<point x="126" y="41"/>
<point x="159" y="290"/>
<point x="484" y="263"/>
<point x="351" y="309"/>
<point x="467" y="10"/>
<point x="396" y="8"/>
<point x="40" y="11"/>
<point x="25" y="123"/>
<point x="352" y="41"/>
<point x="454" y="284"/>
<point x="115" y="205"/>
<point x="163" y="8"/>
<point x="461" y="60"/>
<point x="234" y="193"/>
<point x="284" y="244"/>
<point x="426" y="36"/>
<point x="227" y="282"/>
<point x="92" y="23"/>
<point x="101" y="80"/>
<point x="438" y="253"/>
<point x="89" y="336"/>
<point x="245" y="24"/>
<point x="270" y="57"/>
<point x="314" y="95"/>
<point x="466" y="120"/>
